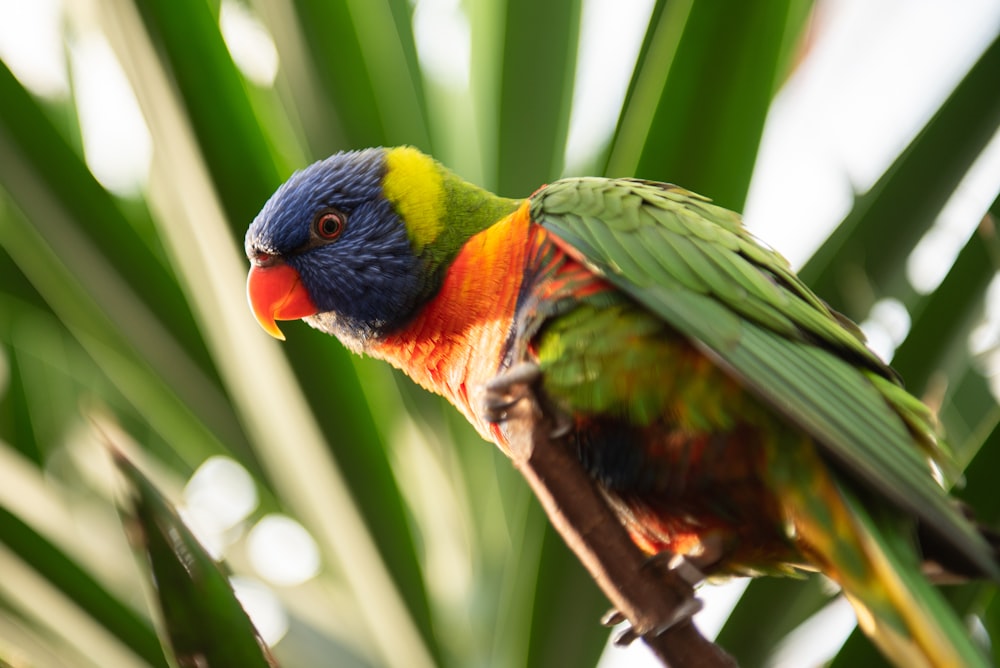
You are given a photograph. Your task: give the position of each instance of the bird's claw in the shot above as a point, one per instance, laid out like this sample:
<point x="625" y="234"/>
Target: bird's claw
<point x="685" y="567"/>
<point x="508" y="389"/>
<point x="612" y="617"/>
<point x="691" y="567"/>
<point x="683" y="612"/>
<point x="690" y="605"/>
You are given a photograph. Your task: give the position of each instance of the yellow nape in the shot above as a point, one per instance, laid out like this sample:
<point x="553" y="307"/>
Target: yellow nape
<point x="414" y="183"/>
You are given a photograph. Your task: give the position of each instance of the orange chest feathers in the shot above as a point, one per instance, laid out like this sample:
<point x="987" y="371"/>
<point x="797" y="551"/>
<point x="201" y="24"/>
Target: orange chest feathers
<point x="456" y="343"/>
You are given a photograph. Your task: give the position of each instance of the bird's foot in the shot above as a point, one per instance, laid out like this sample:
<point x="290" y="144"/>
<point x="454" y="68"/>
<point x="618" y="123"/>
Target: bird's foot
<point x="691" y="566"/>
<point x="684" y="567"/>
<point x="688" y="576"/>
<point x="505" y="391"/>
<point x="688" y="608"/>
<point x="508" y="389"/>
<point x="703" y="556"/>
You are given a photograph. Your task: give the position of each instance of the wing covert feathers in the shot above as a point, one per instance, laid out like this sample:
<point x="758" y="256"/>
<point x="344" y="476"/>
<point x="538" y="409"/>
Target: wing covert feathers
<point x="693" y="264"/>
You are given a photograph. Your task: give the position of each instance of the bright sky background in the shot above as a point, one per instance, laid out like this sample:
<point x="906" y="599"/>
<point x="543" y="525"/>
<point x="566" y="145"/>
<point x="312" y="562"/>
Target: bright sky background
<point x="875" y="72"/>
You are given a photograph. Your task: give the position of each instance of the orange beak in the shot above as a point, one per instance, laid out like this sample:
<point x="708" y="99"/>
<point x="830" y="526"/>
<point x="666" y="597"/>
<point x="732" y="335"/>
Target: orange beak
<point x="275" y="292"/>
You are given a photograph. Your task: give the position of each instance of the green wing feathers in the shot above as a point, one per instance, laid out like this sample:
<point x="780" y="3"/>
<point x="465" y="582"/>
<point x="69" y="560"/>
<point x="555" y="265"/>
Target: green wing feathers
<point x="695" y="266"/>
<point x="651" y="233"/>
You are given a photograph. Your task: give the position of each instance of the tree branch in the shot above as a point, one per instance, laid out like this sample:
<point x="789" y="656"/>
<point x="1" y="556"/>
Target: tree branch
<point x="653" y="600"/>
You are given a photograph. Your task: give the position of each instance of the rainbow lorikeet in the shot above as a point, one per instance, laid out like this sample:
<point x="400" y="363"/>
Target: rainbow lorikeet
<point x="725" y="411"/>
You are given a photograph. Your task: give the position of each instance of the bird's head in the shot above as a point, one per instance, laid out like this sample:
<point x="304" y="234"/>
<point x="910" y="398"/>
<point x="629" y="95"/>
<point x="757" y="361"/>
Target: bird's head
<point x="356" y="243"/>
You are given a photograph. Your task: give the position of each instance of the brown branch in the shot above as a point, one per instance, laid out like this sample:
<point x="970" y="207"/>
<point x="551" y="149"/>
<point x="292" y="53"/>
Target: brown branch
<point x="649" y="598"/>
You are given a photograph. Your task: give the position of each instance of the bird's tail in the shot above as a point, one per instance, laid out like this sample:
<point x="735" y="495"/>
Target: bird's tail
<point x="872" y="556"/>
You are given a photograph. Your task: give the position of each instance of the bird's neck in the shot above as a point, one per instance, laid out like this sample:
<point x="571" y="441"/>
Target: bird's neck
<point x="441" y="210"/>
<point x="456" y="342"/>
<point x="469" y="210"/>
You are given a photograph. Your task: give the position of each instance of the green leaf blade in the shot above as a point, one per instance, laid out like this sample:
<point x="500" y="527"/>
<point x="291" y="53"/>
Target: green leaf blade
<point x="205" y="623"/>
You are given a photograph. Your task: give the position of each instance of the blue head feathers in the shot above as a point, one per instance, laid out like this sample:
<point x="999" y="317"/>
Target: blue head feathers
<point x="332" y="223"/>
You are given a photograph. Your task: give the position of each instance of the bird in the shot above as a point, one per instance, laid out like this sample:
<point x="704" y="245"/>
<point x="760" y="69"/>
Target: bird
<point x="725" y="411"/>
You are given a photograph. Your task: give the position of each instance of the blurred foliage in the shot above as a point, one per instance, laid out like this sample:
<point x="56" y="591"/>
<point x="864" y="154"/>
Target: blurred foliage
<point x="128" y="309"/>
<point x="203" y="621"/>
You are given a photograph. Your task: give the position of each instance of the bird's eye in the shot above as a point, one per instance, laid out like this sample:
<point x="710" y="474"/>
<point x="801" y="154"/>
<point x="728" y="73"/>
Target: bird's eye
<point x="328" y="224"/>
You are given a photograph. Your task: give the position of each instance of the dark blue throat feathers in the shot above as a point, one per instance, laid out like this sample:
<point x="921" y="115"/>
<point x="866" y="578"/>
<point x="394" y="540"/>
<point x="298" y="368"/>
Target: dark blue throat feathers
<point x="332" y="223"/>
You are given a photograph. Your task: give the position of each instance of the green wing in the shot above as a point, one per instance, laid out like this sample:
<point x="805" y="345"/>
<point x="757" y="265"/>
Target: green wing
<point x="695" y="265"/>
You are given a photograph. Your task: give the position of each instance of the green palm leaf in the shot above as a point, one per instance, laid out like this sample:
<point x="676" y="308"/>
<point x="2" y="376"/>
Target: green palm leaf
<point x="433" y="551"/>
